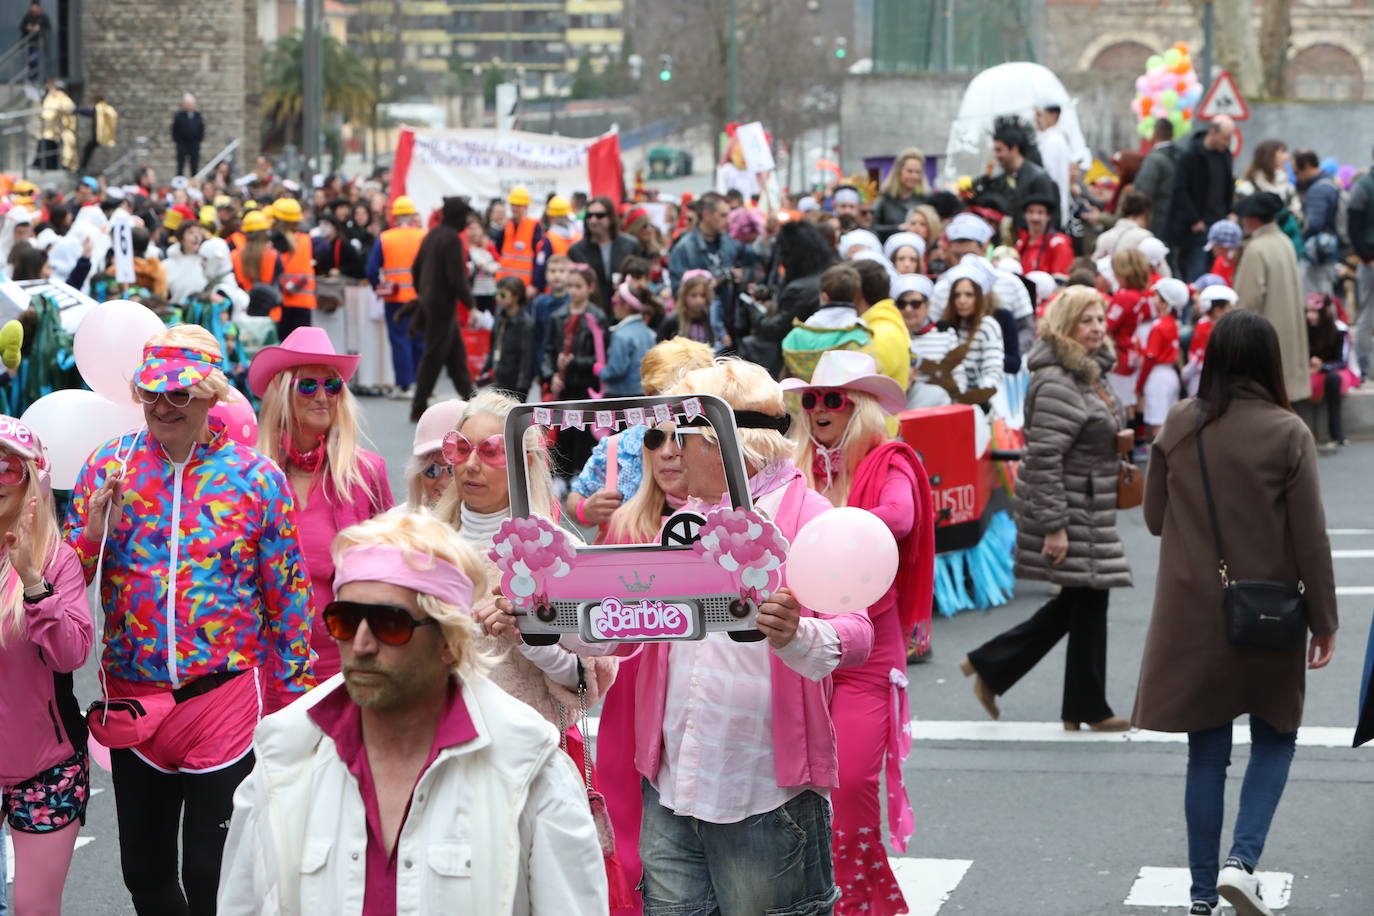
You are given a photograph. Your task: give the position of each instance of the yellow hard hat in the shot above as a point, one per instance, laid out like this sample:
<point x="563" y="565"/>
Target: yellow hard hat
<point x="519" y="197"/>
<point x="251" y="204"/>
<point x="255" y="221"/>
<point x="207" y="216"/>
<point x="173" y="219"/>
<point x="558" y="206"/>
<point x="403" y="206"/>
<point x="287" y="209"/>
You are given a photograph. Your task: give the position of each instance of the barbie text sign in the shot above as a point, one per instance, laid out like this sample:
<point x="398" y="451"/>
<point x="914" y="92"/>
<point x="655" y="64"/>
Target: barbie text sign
<point x="613" y="619"/>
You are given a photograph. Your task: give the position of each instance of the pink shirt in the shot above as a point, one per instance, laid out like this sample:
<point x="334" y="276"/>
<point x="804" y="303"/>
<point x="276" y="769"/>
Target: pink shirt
<point x="341" y="719"/>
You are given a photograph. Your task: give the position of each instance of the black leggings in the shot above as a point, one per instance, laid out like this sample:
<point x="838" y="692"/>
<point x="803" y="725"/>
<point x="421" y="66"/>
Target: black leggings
<point x="1082" y="614"/>
<point x="292" y="317"/>
<point x="150" y="803"/>
<point x="1331" y="395"/>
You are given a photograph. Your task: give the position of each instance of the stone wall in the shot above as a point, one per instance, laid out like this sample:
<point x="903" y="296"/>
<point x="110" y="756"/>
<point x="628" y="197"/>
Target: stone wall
<point x="143" y="56"/>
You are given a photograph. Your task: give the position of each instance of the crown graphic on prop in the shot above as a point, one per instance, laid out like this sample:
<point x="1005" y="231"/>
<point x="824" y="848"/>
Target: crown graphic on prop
<point x="637" y="585"/>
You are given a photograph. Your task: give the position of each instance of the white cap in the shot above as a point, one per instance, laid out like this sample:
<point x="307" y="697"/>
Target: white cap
<point x="1154" y="250"/>
<point x="975" y="269"/>
<point x="904" y="239"/>
<point x="1174" y="292"/>
<point x="861" y="237"/>
<point x="807" y="204"/>
<point x="968" y="227"/>
<point x="1045" y="285"/>
<point x="912" y="283"/>
<point x="1215" y="293"/>
<point x="434" y="423"/>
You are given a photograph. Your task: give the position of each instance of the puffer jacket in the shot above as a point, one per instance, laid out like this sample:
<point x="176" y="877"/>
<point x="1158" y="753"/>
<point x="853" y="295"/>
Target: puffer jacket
<point x="204" y="572"/>
<point x="1068" y="477"/>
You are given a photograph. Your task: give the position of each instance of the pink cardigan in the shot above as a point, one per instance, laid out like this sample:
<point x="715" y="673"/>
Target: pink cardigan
<point x="801" y="707"/>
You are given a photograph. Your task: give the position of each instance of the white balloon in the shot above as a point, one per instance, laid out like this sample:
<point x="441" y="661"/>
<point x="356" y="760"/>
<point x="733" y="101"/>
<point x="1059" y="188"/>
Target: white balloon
<point x="109" y="346"/>
<point x="832" y="584"/>
<point x="73" y="423"/>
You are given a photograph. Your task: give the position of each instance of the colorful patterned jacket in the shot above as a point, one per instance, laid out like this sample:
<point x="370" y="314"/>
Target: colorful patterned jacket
<point x="204" y="573"/>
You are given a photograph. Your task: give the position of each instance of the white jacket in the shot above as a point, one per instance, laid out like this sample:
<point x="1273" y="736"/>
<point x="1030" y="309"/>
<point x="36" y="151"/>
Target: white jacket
<point x="499" y="825"/>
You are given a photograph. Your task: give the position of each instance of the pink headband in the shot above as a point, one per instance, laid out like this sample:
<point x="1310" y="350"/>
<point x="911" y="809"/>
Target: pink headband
<point x="628" y="298"/>
<point x="392" y="565"/>
<point x="696" y="272"/>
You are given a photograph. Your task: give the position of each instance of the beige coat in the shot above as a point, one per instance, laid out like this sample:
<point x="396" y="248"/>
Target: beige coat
<point x="1268" y="282"/>
<point x="1068" y="477"/>
<point x="1263" y="468"/>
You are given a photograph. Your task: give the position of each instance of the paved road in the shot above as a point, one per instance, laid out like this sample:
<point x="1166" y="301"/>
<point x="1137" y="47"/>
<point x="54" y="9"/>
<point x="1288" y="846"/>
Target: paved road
<point x="1017" y="818"/>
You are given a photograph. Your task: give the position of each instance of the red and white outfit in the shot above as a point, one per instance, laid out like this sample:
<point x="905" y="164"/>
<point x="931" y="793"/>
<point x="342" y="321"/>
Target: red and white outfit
<point x="1158" y="383"/>
<point x="1052" y="252"/>
<point x="869" y="704"/>
<point x="1126" y="311"/>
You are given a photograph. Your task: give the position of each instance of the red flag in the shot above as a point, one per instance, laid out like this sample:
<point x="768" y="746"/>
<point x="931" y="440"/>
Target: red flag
<point x="605" y="173"/>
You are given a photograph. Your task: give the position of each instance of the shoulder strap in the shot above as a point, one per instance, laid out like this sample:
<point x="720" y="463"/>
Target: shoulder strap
<point x="1211" y="504"/>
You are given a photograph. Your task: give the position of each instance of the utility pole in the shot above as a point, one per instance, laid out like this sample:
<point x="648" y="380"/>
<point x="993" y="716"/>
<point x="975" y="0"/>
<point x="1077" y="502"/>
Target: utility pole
<point x="510" y="57"/>
<point x="312" y="79"/>
<point x="1207" y="23"/>
<point x="731" y="63"/>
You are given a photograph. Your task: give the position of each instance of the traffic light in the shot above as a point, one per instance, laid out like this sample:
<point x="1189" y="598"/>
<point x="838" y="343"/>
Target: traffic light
<point x="665" y="67"/>
<point x="840" y="49"/>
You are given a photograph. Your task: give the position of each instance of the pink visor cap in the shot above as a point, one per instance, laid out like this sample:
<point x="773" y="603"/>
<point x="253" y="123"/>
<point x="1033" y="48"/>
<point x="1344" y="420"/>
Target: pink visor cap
<point x="19" y="438"/>
<point x="395" y="566"/>
<point x="174" y="368"/>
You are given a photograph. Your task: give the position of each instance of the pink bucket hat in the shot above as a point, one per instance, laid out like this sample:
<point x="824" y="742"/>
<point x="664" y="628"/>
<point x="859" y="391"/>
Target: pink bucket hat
<point x="19" y="438"/>
<point x="854" y="371"/>
<point x="302" y="347"/>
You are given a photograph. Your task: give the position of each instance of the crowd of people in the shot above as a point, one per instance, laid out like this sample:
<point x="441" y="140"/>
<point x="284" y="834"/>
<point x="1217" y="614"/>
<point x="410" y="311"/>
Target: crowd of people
<point x="321" y="698"/>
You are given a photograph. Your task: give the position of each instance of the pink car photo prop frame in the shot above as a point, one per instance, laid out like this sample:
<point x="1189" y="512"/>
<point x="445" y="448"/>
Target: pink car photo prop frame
<point x="707" y="573"/>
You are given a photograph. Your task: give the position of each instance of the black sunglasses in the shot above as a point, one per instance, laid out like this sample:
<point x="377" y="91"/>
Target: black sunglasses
<point x="597" y="214"/>
<point x="390" y="623"/>
<point x="914" y="302"/>
<point x="435" y="470"/>
<point x="655" y="439"/>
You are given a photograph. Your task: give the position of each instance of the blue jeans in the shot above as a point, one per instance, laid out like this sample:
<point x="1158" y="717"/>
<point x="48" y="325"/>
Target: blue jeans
<point x="773" y="864"/>
<point x="405" y="350"/>
<point x="1204" y="799"/>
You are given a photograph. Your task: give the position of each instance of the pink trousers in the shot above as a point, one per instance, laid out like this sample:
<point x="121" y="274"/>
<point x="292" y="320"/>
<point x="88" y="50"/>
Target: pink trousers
<point x="872" y="732"/>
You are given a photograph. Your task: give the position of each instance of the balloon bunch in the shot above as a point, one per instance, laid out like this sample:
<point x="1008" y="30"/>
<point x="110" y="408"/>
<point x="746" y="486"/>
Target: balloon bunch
<point x="1169" y="89"/>
<point x="746" y="545"/>
<point x="530" y="551"/>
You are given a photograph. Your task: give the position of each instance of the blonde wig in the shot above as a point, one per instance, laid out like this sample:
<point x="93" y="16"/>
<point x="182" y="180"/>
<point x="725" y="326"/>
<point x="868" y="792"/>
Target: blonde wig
<point x="744" y="386"/>
<point x="425" y="539"/>
<point x="867" y="430"/>
<point x="46" y="536"/>
<point x="892" y="187"/>
<point x="214" y="387"/>
<point x="638" y="521"/>
<point x="934" y="226"/>
<point x="667" y="362"/>
<point x="415" y="485"/>
<point x="538" y="476"/>
<point x="278" y="418"/>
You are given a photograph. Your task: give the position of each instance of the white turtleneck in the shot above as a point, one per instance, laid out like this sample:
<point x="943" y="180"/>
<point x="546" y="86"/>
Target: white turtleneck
<point x="479" y="530"/>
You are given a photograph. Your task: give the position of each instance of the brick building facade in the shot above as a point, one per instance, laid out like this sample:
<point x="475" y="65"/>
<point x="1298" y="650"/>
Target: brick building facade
<point x="143" y="56"/>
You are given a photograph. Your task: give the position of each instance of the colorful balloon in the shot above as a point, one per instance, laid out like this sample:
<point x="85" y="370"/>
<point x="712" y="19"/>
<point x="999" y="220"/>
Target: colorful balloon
<point x="1168" y="98"/>
<point x="240" y="423"/>
<point x="1154" y="62"/>
<point x="1172" y="57"/>
<point x="842" y="561"/>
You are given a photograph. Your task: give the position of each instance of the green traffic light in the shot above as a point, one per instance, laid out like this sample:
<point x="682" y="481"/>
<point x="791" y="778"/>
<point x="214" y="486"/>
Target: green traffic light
<point x="839" y="52"/>
<point x="665" y="75"/>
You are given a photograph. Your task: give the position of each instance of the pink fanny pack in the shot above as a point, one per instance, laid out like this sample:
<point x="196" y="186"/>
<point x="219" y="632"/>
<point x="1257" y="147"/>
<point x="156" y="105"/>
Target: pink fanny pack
<point x="120" y="722"/>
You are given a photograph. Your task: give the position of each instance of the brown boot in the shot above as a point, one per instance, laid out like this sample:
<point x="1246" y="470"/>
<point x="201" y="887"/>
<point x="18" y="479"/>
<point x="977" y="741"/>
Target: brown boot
<point x="985" y="694"/>
<point x="1109" y="724"/>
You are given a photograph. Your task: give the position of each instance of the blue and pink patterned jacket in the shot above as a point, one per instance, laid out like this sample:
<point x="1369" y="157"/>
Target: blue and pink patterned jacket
<point x="204" y="573"/>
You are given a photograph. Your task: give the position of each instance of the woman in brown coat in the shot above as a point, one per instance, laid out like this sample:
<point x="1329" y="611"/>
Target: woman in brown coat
<point x="1066" y="515"/>
<point x="1263" y="468"/>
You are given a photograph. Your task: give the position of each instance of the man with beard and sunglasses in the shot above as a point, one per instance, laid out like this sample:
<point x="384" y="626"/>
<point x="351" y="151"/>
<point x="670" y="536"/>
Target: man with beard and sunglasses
<point x="190" y="538"/>
<point x="410" y="783"/>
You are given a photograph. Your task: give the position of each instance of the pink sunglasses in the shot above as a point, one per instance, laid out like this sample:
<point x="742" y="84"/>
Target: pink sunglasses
<point x="491" y="450"/>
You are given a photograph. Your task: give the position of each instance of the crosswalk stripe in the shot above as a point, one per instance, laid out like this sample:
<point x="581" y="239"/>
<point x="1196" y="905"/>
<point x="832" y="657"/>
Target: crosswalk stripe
<point x="1353" y="591"/>
<point x="1349" y="532"/>
<point x="1168" y="887"/>
<point x="1053" y="732"/>
<point x="927" y="883"/>
<point x="1352" y="554"/>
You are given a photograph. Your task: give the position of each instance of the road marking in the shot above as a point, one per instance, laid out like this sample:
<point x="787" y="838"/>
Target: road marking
<point x="1352" y="554"/>
<point x="1053" y="732"/>
<point x="927" y="883"/>
<point x="1168" y="887"/>
<point x="9" y="854"/>
<point x="1352" y="591"/>
<point x="1349" y="532"/>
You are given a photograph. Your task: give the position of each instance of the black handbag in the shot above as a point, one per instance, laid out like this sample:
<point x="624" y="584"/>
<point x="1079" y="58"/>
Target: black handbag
<point x="1259" y="614"/>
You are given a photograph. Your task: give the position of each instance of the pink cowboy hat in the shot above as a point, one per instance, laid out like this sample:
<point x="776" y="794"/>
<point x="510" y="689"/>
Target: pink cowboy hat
<point x="855" y="371"/>
<point x="302" y="347"/>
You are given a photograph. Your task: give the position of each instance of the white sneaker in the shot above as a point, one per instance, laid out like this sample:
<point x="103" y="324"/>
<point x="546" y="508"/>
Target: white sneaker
<point x="399" y="394"/>
<point x="1241" y="889"/>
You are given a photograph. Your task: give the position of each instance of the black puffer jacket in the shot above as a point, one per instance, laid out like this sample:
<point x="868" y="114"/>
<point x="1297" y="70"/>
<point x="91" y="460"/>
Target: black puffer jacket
<point x="1068" y="477"/>
<point x="579" y="376"/>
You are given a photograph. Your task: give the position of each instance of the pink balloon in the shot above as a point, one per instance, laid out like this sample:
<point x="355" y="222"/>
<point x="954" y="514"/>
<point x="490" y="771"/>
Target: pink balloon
<point x="1142" y="85"/>
<point x="239" y="420"/>
<point x="842" y="561"/>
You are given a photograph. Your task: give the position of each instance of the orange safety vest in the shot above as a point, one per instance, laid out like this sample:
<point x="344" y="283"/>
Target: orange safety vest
<point x="265" y="270"/>
<point x="517" y="251"/>
<point x="399" y="247"/>
<point x="236" y="240"/>
<point x="299" y="271"/>
<point x="560" y="245"/>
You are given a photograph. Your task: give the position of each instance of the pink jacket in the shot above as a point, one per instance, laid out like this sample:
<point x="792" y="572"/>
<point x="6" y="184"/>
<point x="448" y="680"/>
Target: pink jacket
<point x="39" y="717"/>
<point x="801" y="707"/>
